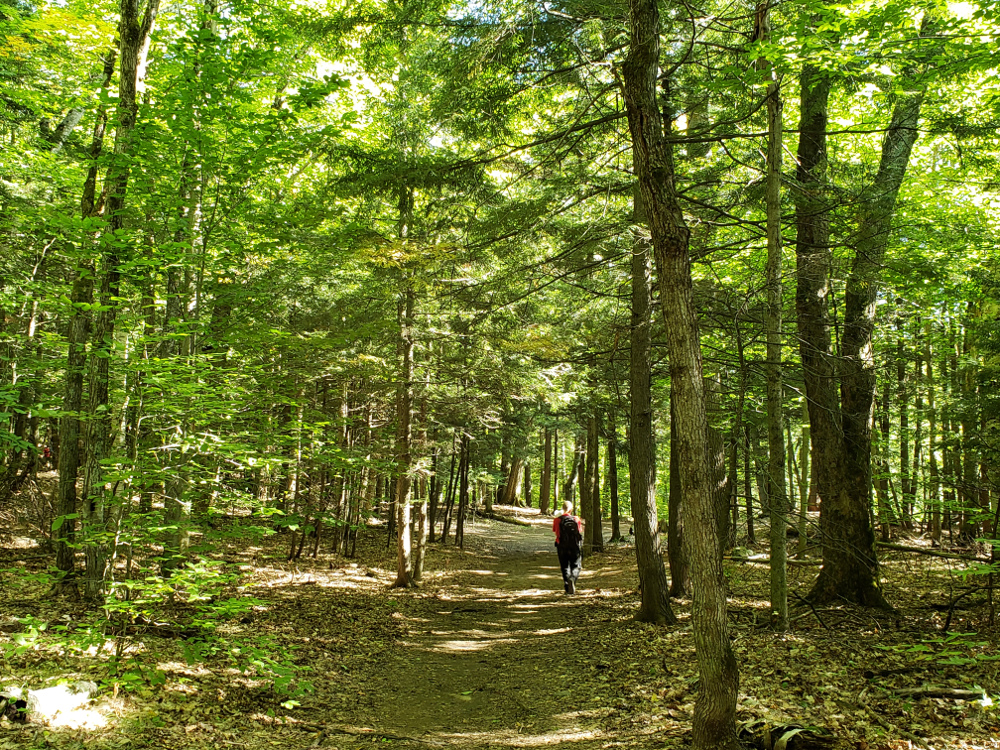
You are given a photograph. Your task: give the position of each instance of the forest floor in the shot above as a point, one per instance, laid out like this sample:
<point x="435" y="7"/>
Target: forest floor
<point x="489" y="654"/>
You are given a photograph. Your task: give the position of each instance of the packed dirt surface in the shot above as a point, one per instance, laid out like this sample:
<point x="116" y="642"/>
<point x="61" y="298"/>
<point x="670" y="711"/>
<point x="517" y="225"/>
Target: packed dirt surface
<point x="497" y="656"/>
<point x="490" y="654"/>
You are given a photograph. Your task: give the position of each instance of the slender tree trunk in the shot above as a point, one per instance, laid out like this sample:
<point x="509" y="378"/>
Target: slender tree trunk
<point x="595" y="532"/>
<point x="526" y="486"/>
<point x="654" y="589"/>
<point x="909" y="505"/>
<point x="545" y="491"/>
<point x="577" y="460"/>
<point x="463" y="492"/>
<point x="404" y="465"/>
<point x="612" y="477"/>
<point x="902" y="398"/>
<point x="748" y="477"/>
<point x="934" y="488"/>
<point x="69" y="458"/>
<point x="776" y="488"/>
<point x="714" y="721"/>
<point x="680" y="571"/>
<point x="556" y="500"/>
<point x="804" y="477"/>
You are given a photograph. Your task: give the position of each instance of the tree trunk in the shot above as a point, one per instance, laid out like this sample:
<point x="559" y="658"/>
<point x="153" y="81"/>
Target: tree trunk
<point x="654" y="589"/>
<point x="69" y="458"/>
<point x="463" y="492"/>
<point x="612" y="477"/>
<point x="595" y="533"/>
<point x="850" y="567"/>
<point x="544" y="492"/>
<point x="934" y="488"/>
<point x="404" y="459"/>
<point x="902" y="398"/>
<point x="526" y="486"/>
<point x="577" y="460"/>
<point x="680" y="571"/>
<point x="776" y="488"/>
<point x="804" y="482"/>
<point x="714" y="721"/>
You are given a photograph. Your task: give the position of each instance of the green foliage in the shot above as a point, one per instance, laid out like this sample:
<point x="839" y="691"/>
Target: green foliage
<point x="953" y="649"/>
<point x="200" y="604"/>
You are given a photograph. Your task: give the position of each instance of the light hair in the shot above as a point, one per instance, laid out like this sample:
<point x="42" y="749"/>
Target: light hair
<point x="567" y="506"/>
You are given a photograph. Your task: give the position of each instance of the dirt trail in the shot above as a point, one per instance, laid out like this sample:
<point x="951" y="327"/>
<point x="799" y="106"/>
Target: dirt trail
<point x="494" y="655"/>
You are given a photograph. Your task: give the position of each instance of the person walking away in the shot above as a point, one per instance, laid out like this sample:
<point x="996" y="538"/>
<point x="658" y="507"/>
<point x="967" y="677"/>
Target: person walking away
<point x="569" y="545"/>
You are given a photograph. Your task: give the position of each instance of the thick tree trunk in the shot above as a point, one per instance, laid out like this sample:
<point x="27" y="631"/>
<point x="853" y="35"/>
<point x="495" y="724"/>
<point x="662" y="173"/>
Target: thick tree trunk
<point x="654" y="589"/>
<point x="850" y="567"/>
<point x="512" y="484"/>
<point x="714" y="721"/>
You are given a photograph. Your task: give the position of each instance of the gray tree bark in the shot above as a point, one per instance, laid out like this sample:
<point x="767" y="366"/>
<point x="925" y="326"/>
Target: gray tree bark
<point x="655" y="593"/>
<point x="714" y="721"/>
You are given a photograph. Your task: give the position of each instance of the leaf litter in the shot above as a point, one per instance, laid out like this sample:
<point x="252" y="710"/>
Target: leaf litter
<point x="488" y="653"/>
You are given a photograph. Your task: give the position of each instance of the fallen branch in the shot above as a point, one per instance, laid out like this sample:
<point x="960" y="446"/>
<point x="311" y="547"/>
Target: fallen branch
<point x="955" y="601"/>
<point x="767" y="561"/>
<point x="932" y="553"/>
<point x="504" y="519"/>
<point x="890" y="728"/>
<point x="930" y="691"/>
<point x="809" y="604"/>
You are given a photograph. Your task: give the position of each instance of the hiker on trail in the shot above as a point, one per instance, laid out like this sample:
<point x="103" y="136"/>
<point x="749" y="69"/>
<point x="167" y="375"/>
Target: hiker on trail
<point x="569" y="538"/>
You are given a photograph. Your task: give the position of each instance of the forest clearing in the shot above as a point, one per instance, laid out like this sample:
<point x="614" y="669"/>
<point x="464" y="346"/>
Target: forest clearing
<point x="490" y="654"/>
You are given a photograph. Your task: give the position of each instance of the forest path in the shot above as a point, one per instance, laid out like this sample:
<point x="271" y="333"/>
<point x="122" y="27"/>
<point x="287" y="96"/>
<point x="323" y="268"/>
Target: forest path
<point x="495" y="655"/>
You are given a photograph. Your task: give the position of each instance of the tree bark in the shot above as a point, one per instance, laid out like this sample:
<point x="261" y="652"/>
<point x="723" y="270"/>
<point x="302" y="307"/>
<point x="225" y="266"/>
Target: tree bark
<point x="594" y="531"/>
<point x="655" y="594"/>
<point x="404" y="459"/>
<point x="776" y="487"/>
<point x="714" y="721"/>
<point x="545" y="491"/>
<point x="612" y="477"/>
<point x="69" y="458"/>
<point x="850" y="566"/>
<point x="680" y="571"/>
